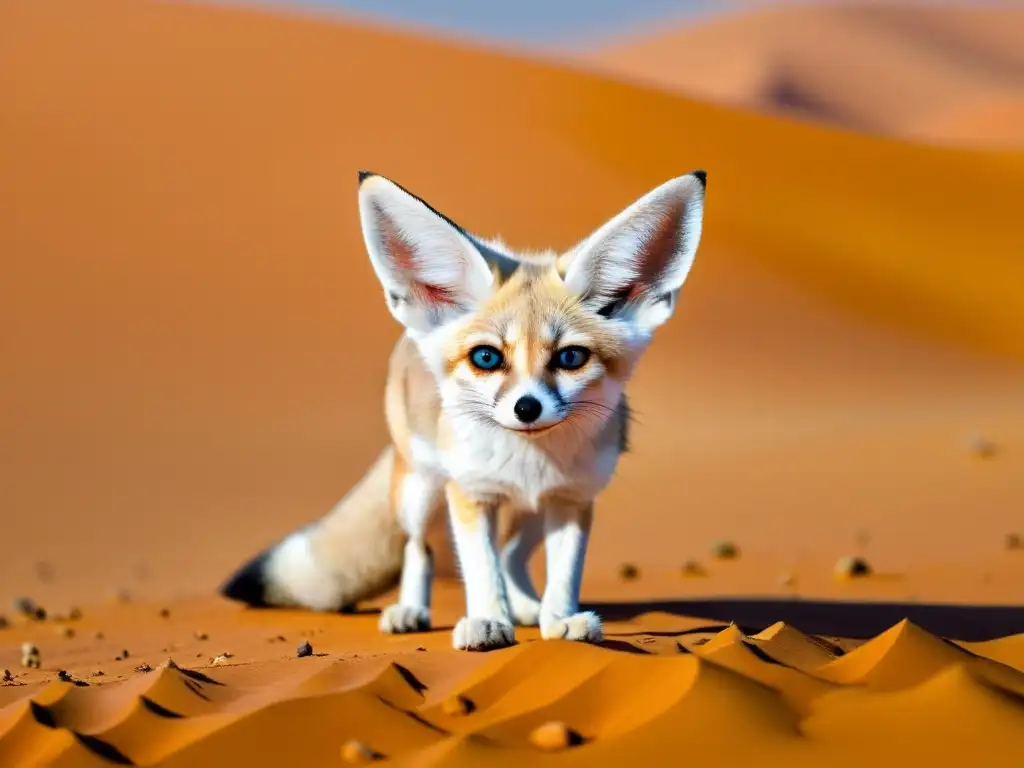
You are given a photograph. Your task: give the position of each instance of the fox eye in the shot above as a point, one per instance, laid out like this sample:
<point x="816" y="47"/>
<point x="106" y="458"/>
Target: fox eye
<point x="572" y="358"/>
<point x="485" y="357"/>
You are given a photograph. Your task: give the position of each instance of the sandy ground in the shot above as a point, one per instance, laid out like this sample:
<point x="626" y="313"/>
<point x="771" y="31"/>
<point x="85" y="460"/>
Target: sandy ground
<point x="662" y="684"/>
<point x="194" y="347"/>
<point x="940" y="73"/>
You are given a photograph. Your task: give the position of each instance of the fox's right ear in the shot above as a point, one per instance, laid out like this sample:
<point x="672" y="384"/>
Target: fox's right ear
<point x="430" y="270"/>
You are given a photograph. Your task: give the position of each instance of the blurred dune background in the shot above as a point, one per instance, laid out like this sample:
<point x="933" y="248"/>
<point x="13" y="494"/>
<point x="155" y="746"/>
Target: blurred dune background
<point x="193" y="350"/>
<point x="194" y="343"/>
<point x="939" y="73"/>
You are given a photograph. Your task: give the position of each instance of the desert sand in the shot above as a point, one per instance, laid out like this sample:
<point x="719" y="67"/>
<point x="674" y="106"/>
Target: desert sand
<point x="194" y="347"/>
<point x="663" y="687"/>
<point x="941" y="73"/>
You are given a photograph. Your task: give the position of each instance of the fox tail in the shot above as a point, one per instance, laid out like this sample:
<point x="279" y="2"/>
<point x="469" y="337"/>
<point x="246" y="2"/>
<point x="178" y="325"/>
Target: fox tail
<point x="351" y="554"/>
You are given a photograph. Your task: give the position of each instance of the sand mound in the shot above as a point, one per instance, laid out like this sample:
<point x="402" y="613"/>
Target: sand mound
<point x="953" y="709"/>
<point x="765" y="695"/>
<point x="951" y="74"/>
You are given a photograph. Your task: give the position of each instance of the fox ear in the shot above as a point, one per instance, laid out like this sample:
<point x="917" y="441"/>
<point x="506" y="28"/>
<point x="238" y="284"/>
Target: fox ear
<point x="430" y="269"/>
<point x="634" y="265"/>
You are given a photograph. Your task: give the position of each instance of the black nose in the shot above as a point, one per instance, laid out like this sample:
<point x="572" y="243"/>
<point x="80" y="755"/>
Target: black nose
<point x="527" y="408"/>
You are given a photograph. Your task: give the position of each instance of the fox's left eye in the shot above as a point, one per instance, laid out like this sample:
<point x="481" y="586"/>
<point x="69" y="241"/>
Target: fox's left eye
<point x="572" y="358"/>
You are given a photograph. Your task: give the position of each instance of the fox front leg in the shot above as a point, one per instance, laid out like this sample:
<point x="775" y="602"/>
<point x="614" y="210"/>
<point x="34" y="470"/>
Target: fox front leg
<point x="488" y="620"/>
<point x="566" y="532"/>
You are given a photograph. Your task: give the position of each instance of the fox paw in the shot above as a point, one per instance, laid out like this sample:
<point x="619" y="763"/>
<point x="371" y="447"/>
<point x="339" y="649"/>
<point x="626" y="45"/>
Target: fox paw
<point x="482" y="634"/>
<point x="584" y="627"/>
<point x="397" y="619"/>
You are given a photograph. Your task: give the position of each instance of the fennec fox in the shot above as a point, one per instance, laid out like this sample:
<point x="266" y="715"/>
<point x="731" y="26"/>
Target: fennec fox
<point x="505" y="394"/>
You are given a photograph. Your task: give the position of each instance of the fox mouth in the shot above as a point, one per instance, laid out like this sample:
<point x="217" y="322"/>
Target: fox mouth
<point x="536" y="430"/>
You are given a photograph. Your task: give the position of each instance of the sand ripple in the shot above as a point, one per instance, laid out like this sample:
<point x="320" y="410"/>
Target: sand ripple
<point x="711" y="692"/>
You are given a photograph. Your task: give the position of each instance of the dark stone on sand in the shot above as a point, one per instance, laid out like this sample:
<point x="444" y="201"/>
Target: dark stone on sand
<point x="628" y="571"/>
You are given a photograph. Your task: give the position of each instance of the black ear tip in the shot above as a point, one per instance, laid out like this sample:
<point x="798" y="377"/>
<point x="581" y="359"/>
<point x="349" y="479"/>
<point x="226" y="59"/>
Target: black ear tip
<point x="702" y="176"/>
<point x="248" y="584"/>
<point x="364" y="175"/>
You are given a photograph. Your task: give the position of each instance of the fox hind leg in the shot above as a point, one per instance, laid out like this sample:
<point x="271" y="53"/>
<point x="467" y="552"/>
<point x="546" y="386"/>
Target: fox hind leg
<point x="417" y="496"/>
<point x="515" y="561"/>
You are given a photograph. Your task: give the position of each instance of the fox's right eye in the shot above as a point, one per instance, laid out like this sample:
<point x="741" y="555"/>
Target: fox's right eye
<point x="485" y="357"/>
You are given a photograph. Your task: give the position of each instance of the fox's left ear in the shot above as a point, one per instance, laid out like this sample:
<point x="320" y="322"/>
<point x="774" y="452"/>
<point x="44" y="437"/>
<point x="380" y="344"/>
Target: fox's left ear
<point x="634" y="265"/>
<point x="430" y="270"/>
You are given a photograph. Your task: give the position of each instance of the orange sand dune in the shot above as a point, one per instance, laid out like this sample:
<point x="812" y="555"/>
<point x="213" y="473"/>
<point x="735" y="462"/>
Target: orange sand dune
<point x="194" y="345"/>
<point x="952" y="74"/>
<point x="195" y="342"/>
<point x="661" y="685"/>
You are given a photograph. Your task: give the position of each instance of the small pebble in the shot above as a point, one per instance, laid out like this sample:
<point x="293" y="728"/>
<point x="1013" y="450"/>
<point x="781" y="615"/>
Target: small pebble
<point x="122" y="655"/>
<point x="8" y="677"/>
<point x="201" y="636"/>
<point x="64" y="675"/>
<point x="554" y="736"/>
<point x="99" y="635"/>
<point x="725" y="550"/>
<point x="787" y="580"/>
<point x="25" y="605"/>
<point x="218" y="660"/>
<point x="4" y="622"/>
<point x="98" y="673"/>
<point x="28" y="607"/>
<point x="304" y="649"/>
<point x="143" y="668"/>
<point x="74" y="613"/>
<point x="66" y="632"/>
<point x="693" y="568"/>
<point x="628" y="571"/>
<point x="356" y="752"/>
<point x="165" y="613"/>
<point x="420" y="648"/>
<point x="30" y="656"/>
<point x="457" y="705"/>
<point x="852" y="567"/>
<point x="1014" y="541"/>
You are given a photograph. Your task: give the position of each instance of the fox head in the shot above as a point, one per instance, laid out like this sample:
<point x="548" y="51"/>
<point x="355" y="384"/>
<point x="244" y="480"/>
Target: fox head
<point x="531" y="342"/>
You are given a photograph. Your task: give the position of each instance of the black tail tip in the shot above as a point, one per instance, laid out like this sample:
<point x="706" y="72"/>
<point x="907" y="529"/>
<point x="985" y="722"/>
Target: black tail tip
<point x="249" y="583"/>
<point x="702" y="177"/>
<point x="364" y="175"/>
